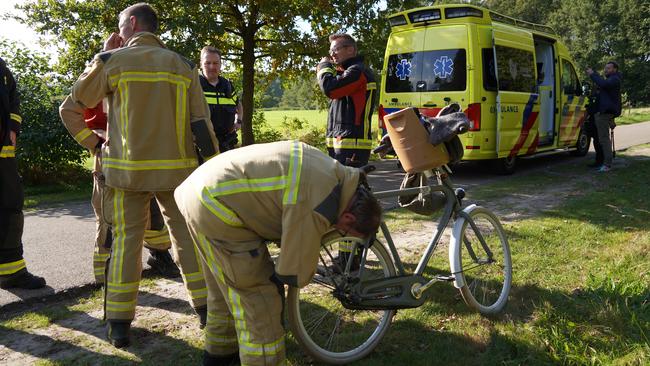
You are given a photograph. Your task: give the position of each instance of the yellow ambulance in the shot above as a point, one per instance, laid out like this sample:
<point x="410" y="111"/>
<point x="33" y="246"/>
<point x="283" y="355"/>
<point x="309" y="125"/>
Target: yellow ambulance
<point x="515" y="80"/>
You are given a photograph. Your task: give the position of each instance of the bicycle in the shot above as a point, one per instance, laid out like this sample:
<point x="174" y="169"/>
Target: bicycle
<point x="343" y="314"/>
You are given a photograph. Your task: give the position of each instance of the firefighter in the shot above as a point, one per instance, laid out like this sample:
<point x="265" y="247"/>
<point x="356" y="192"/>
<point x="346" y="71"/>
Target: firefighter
<point x="156" y="113"/>
<point x="222" y="99"/>
<point x="13" y="271"/>
<point x="156" y="237"/>
<point x="285" y="191"/>
<point x="351" y="90"/>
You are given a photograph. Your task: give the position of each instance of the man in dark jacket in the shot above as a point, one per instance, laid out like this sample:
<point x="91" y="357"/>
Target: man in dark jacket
<point x="13" y="271"/>
<point x="608" y="107"/>
<point x="351" y="88"/>
<point x="222" y="99"/>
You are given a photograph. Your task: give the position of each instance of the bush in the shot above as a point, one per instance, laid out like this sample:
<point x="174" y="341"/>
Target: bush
<point x="46" y="152"/>
<point x="261" y="129"/>
<point x="294" y="129"/>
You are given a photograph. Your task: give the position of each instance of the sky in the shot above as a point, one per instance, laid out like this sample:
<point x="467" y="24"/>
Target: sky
<point x="14" y="30"/>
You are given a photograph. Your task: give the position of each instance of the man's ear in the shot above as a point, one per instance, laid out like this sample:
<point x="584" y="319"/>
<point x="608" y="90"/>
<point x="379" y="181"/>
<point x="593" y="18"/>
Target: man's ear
<point x="347" y="218"/>
<point x="134" y="21"/>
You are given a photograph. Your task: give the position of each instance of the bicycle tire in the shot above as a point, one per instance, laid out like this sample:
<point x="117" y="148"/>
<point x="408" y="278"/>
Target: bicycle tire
<point x="486" y="279"/>
<point x="359" y="331"/>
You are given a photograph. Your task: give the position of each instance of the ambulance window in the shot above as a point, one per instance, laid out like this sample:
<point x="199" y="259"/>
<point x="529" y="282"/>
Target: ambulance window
<point x="570" y="82"/>
<point x="515" y="69"/>
<point x="444" y="70"/>
<point x="403" y="72"/>
<point x="489" y="78"/>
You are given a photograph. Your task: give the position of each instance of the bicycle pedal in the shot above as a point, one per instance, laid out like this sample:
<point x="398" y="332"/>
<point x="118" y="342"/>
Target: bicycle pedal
<point x="445" y="278"/>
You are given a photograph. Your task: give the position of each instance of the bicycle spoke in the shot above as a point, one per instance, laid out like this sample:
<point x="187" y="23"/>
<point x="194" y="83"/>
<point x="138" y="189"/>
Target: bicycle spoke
<point x="312" y="325"/>
<point x="331" y="337"/>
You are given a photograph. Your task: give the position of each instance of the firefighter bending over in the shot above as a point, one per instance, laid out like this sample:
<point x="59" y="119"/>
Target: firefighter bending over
<point x="285" y="191"/>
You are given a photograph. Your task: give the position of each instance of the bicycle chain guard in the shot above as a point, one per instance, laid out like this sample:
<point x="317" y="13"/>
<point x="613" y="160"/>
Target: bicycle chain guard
<point x="388" y="293"/>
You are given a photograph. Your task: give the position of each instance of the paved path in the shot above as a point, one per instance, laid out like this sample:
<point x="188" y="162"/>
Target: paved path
<point x="59" y="240"/>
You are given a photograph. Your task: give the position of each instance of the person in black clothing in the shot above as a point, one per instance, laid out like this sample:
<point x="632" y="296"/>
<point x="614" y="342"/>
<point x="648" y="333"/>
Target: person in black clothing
<point x="608" y="106"/>
<point x="351" y="88"/>
<point x="225" y="108"/>
<point x="13" y="271"/>
<point x="590" y="126"/>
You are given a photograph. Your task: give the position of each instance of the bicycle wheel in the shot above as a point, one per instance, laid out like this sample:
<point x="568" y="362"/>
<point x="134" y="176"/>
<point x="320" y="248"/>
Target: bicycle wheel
<point x="486" y="267"/>
<point x="324" y="328"/>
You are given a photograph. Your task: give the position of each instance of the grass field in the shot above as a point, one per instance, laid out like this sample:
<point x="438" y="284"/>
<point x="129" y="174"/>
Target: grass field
<point x="318" y="118"/>
<point x="634" y="115"/>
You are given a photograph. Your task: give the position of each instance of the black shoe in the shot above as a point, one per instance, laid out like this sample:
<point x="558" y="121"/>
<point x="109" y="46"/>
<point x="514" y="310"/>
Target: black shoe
<point x="594" y="165"/>
<point x="22" y="279"/>
<point x="202" y="311"/>
<point x="226" y="360"/>
<point x="161" y="261"/>
<point x="118" y="333"/>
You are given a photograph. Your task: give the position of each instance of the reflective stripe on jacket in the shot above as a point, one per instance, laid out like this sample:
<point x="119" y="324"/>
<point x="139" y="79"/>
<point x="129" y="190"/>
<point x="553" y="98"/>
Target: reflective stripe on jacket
<point x="352" y="93"/>
<point x="286" y="191"/>
<point x="153" y="95"/>
<point x="222" y="101"/>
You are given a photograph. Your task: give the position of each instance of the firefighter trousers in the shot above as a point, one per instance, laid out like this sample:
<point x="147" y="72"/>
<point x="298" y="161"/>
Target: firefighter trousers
<point x="156" y="237"/>
<point x="127" y="212"/>
<point x="245" y="301"/>
<point x="11" y="218"/>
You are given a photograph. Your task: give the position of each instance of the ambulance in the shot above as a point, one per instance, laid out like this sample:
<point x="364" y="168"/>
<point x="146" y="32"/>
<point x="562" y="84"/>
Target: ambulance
<point x="515" y="80"/>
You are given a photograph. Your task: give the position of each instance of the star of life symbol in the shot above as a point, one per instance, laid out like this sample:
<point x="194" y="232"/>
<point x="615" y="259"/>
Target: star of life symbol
<point x="443" y="67"/>
<point x="403" y="69"/>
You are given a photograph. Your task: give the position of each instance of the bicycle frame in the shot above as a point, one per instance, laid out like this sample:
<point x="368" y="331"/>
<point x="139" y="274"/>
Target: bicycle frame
<point x="404" y="290"/>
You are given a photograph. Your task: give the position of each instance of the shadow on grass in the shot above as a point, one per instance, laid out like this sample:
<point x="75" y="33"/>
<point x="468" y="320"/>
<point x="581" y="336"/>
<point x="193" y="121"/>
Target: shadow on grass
<point x="85" y="336"/>
<point x="412" y="342"/>
<point x="539" y="326"/>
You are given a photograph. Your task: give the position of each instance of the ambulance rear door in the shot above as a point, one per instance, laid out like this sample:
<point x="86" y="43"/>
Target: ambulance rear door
<point x="444" y="67"/>
<point x="517" y="104"/>
<point x="402" y="71"/>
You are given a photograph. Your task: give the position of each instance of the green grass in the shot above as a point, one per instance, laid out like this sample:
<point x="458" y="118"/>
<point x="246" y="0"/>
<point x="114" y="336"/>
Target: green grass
<point x="316" y="118"/>
<point x="580" y="290"/>
<point x="49" y="194"/>
<point x="634" y="115"/>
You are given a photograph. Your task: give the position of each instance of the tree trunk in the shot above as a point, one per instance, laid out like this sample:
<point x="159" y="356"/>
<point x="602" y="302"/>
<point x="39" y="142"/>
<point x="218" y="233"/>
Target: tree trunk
<point x="248" y="86"/>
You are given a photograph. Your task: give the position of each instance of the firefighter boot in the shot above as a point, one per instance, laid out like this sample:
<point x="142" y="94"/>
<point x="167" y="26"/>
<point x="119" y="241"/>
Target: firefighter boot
<point x="202" y="312"/>
<point x="161" y="261"/>
<point x="22" y="279"/>
<point x="118" y="333"/>
<point x="227" y="360"/>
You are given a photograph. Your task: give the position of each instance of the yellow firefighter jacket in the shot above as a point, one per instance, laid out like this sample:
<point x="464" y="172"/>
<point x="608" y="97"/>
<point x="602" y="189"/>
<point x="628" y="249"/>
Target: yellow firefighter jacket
<point x="284" y="190"/>
<point x="155" y="104"/>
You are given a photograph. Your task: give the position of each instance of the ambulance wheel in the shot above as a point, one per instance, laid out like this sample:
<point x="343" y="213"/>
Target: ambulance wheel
<point x="326" y="330"/>
<point x="507" y="165"/>
<point x="582" y="146"/>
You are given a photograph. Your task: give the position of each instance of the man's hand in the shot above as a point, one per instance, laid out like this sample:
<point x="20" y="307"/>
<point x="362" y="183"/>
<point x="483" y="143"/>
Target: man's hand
<point x="589" y="71"/>
<point x="101" y="133"/>
<point x="12" y="137"/>
<point x="326" y="59"/>
<point x="114" y="41"/>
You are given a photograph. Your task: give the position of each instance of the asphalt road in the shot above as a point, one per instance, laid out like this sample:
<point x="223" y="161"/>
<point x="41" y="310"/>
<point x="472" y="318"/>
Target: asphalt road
<point x="59" y="240"/>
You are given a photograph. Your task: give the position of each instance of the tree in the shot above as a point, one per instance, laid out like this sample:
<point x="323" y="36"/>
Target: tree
<point x="600" y="31"/>
<point x="261" y="36"/>
<point x="46" y="152"/>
